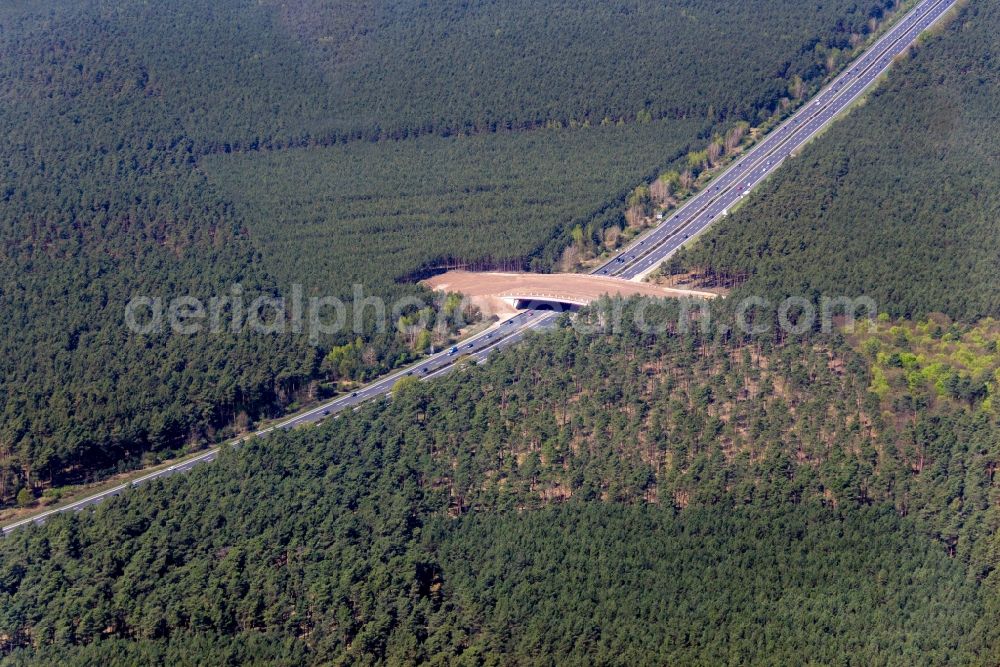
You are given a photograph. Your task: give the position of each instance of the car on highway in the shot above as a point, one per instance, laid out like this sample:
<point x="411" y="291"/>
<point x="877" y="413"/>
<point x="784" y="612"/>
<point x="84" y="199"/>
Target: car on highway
<point x="453" y="350"/>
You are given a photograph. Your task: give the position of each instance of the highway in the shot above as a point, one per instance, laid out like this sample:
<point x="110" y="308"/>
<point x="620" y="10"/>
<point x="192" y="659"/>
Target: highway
<point x="635" y="261"/>
<point x="649" y="251"/>
<point x="473" y="349"/>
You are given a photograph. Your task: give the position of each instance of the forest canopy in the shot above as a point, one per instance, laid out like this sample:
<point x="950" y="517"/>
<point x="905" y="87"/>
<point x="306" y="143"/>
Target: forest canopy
<point x="619" y="496"/>
<point x="569" y="500"/>
<point x="110" y="111"/>
<point x="897" y="201"/>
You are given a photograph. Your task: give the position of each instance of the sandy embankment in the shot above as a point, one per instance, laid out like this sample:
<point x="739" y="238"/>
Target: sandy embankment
<point x="488" y="289"/>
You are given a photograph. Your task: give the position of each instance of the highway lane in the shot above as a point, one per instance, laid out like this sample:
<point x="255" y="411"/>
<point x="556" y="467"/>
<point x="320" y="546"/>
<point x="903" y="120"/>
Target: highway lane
<point x="636" y="260"/>
<point x="649" y="251"/>
<point x="474" y="349"/>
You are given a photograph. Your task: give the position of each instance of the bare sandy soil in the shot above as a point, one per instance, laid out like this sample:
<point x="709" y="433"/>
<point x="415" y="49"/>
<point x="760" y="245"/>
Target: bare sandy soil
<point x="489" y="289"/>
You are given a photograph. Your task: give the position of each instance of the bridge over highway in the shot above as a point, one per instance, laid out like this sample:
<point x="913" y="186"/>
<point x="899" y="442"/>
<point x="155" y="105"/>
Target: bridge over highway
<point x="547" y="291"/>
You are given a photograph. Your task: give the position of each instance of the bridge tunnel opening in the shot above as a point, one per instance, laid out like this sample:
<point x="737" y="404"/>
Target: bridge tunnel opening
<point x="550" y="305"/>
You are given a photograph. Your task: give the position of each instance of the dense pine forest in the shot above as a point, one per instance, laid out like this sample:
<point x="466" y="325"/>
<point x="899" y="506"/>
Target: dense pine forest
<point x="598" y="494"/>
<point x="897" y="201"/>
<point x="117" y="177"/>
<point x="360" y="213"/>
<point x="682" y="498"/>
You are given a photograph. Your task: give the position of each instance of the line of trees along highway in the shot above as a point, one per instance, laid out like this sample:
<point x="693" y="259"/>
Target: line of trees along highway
<point x="897" y="201"/>
<point x="600" y="498"/>
<point x="107" y="113"/>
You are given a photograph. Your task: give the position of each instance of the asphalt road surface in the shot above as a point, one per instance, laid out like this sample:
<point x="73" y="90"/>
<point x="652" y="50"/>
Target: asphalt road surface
<point x="729" y="187"/>
<point x="474" y="349"/>
<point x="635" y="261"/>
